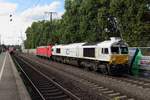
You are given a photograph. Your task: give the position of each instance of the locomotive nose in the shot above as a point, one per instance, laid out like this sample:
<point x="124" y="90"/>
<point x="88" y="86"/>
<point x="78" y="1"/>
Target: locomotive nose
<point x="119" y="59"/>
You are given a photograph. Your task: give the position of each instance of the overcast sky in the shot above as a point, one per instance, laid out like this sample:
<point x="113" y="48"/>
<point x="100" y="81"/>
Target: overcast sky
<point x="24" y="12"/>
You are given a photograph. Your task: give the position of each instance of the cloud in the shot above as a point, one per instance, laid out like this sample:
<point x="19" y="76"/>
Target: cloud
<point x="6" y="7"/>
<point x="11" y="31"/>
<point x="39" y="11"/>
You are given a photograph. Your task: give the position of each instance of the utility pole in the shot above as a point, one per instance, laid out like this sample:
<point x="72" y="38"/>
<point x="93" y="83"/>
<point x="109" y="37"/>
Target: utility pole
<point x="50" y="15"/>
<point x="51" y="19"/>
<point x="22" y="44"/>
<point x="21" y="37"/>
<point x="0" y="39"/>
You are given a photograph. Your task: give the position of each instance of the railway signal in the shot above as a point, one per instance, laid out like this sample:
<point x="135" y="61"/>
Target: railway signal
<point x="10" y="17"/>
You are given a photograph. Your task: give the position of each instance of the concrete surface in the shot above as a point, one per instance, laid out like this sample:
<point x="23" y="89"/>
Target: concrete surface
<point x="11" y="85"/>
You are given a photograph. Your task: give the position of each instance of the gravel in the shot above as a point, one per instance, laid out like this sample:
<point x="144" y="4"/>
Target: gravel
<point x="125" y="87"/>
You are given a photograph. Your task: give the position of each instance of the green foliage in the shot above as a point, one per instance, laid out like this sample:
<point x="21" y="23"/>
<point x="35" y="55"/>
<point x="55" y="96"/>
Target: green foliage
<point x="94" y="21"/>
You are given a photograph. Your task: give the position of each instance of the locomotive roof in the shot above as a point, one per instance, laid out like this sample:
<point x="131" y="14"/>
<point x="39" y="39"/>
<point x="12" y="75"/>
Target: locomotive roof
<point x="70" y="45"/>
<point x="42" y="46"/>
<point x="110" y="42"/>
<point x="76" y="44"/>
<point x="87" y="44"/>
<point x="106" y="43"/>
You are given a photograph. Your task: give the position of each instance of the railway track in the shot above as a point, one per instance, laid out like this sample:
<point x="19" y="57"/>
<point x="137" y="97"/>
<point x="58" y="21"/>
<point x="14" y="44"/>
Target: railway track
<point x="46" y="88"/>
<point x="136" y="81"/>
<point x="106" y="92"/>
<point x="139" y="82"/>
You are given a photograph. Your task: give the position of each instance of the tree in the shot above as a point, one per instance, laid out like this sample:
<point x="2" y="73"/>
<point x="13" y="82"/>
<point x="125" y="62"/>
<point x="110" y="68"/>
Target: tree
<point x="94" y="21"/>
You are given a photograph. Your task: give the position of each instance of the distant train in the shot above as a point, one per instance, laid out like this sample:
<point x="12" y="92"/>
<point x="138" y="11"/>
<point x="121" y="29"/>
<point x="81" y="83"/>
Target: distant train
<point x="11" y="50"/>
<point x="110" y="56"/>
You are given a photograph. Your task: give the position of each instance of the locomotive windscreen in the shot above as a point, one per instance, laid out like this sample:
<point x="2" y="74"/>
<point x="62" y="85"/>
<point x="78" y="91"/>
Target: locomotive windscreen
<point x="124" y="50"/>
<point x="89" y="52"/>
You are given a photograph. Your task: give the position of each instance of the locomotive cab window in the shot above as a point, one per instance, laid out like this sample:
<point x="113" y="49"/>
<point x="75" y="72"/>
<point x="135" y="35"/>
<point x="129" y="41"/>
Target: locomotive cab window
<point x="124" y="50"/>
<point x="115" y="50"/>
<point x="58" y="50"/>
<point x="105" y="51"/>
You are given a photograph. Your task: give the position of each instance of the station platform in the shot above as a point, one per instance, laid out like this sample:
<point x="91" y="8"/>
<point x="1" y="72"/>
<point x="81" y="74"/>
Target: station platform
<point x="11" y="85"/>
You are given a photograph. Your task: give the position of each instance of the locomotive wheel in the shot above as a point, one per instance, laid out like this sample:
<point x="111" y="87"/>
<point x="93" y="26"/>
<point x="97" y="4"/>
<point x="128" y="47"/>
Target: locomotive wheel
<point x="104" y="70"/>
<point x="79" y="63"/>
<point x="109" y="70"/>
<point x="94" y="68"/>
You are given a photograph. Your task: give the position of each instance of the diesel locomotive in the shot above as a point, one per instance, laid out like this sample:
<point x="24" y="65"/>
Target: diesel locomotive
<point x="109" y="56"/>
